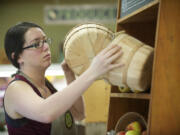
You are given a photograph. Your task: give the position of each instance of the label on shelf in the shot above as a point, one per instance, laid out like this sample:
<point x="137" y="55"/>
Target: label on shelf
<point x="128" y="6"/>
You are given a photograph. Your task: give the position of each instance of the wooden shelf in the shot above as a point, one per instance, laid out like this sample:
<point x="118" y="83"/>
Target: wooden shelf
<point x="144" y="14"/>
<point x="131" y="95"/>
<point x="155" y="24"/>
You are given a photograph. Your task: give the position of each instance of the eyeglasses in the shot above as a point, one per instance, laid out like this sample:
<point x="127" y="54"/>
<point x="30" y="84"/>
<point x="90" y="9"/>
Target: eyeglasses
<point x="39" y="44"/>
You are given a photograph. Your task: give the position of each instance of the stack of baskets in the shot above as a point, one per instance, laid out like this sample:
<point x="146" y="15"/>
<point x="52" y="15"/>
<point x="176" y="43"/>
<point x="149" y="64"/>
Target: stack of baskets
<point x="85" y="41"/>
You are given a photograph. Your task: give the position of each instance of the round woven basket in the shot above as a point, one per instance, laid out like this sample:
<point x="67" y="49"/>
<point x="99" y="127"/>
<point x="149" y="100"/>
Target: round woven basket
<point x="83" y="43"/>
<point x="138" y="59"/>
<point x="127" y="119"/>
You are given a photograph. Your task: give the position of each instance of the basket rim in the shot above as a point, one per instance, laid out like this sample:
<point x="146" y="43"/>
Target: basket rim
<point x="73" y="30"/>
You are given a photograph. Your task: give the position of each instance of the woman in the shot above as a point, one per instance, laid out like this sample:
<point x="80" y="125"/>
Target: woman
<point x="31" y="103"/>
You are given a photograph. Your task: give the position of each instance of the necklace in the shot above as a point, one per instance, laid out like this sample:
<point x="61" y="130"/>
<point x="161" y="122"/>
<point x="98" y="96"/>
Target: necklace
<point x="32" y="81"/>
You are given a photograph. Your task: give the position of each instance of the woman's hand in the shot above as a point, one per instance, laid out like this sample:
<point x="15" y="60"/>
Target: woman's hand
<point x="104" y="61"/>
<point x="69" y="74"/>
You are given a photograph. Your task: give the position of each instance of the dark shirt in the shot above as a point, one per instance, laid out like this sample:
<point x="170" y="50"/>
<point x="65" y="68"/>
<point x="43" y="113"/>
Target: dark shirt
<point x="25" y="126"/>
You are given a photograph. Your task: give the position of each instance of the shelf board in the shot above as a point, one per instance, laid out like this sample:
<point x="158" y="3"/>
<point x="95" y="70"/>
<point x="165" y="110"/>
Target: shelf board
<point x="145" y="13"/>
<point x="131" y="95"/>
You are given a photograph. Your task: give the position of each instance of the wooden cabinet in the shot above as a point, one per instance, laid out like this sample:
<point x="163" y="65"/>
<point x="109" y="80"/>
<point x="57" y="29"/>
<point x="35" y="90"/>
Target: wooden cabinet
<point x="158" y="25"/>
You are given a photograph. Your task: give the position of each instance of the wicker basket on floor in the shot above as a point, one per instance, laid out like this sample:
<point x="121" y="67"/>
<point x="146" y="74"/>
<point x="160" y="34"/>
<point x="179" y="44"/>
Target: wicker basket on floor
<point x="127" y="119"/>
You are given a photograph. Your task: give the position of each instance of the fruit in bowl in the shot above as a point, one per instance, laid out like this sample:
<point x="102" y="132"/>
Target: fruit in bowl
<point x="121" y="133"/>
<point x="132" y="132"/>
<point x="134" y="126"/>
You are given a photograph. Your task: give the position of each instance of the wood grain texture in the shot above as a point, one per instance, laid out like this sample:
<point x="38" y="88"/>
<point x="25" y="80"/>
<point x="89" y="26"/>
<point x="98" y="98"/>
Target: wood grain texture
<point x="165" y="107"/>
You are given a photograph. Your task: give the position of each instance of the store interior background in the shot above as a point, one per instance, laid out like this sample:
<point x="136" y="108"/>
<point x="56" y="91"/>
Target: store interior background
<point x="96" y="97"/>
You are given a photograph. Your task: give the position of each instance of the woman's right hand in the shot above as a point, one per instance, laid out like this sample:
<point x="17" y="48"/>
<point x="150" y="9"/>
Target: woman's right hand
<point x="104" y="61"/>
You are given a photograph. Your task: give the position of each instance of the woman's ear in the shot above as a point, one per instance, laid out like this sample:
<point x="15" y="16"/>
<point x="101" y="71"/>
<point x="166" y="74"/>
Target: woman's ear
<point x="12" y="55"/>
<point x="20" y="60"/>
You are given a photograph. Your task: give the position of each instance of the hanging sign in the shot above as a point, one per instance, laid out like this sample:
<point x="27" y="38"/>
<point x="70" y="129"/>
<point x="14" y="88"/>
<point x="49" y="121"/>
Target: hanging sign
<point x="71" y="14"/>
<point x="128" y="6"/>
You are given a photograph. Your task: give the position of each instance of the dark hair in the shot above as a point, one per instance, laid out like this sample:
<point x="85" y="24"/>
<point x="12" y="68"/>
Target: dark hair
<point x="14" y="40"/>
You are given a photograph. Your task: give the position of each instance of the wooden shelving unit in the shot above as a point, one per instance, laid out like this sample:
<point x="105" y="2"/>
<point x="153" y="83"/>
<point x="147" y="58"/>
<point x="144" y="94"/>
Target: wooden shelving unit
<point x="156" y="24"/>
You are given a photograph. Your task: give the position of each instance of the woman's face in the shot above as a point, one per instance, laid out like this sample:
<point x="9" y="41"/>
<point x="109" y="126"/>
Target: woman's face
<point x="39" y="57"/>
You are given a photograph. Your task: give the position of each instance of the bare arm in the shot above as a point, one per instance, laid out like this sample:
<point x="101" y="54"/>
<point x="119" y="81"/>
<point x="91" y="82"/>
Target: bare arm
<point x="27" y="103"/>
<point x="78" y="108"/>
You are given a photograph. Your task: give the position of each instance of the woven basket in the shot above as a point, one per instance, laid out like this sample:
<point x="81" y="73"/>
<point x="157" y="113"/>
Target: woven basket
<point x="127" y="119"/>
<point x="138" y="59"/>
<point x="83" y="43"/>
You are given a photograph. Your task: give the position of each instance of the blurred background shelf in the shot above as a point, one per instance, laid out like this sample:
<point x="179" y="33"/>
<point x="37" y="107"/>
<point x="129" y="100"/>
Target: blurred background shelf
<point x="8" y="70"/>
